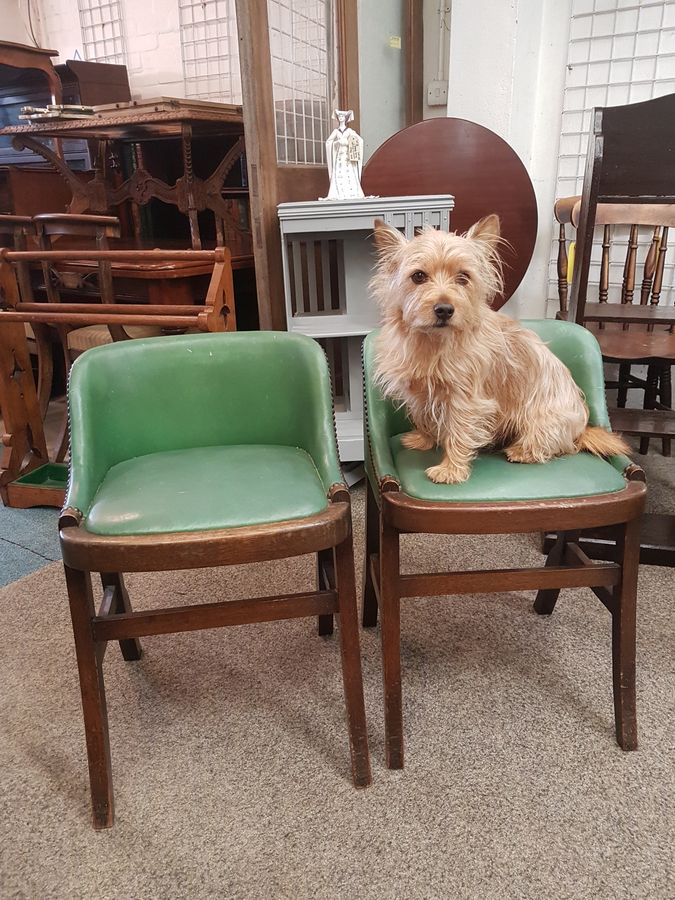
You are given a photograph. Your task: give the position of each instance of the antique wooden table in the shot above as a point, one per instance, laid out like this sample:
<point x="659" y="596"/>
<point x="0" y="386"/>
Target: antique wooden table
<point x="135" y="123"/>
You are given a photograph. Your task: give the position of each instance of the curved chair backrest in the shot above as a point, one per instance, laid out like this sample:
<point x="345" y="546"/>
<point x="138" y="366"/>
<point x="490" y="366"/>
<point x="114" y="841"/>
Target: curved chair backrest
<point x="573" y="345"/>
<point x="139" y="397"/>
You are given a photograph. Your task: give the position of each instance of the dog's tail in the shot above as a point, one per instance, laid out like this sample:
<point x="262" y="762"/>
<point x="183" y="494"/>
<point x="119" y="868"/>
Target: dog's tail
<point x="601" y="442"/>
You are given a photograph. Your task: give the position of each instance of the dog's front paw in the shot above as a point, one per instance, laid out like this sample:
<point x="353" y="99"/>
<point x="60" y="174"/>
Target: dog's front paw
<point x="415" y="440"/>
<point x="448" y="473"/>
<point x="518" y="454"/>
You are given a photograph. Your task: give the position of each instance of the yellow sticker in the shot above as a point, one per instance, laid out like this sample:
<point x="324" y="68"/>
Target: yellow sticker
<point x="395" y="42"/>
<point x="570" y="261"/>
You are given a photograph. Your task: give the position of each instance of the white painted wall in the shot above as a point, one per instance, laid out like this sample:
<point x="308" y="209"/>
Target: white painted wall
<point x="507" y="72"/>
<point x="431" y="51"/>
<point x="14" y="22"/>
<point x="152" y="40"/>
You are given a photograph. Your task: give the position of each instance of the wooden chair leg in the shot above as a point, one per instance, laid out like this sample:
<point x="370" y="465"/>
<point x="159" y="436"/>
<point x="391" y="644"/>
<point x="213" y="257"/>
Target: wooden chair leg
<point x="45" y="366"/>
<point x="666" y="398"/>
<point x="325" y="579"/>
<point x="351" y="663"/>
<point x="130" y="647"/>
<point x="623" y="637"/>
<point x="89" y="663"/>
<point x="390" y="616"/>
<point x="372" y="549"/>
<point x="624" y="378"/>
<point x="545" y="601"/>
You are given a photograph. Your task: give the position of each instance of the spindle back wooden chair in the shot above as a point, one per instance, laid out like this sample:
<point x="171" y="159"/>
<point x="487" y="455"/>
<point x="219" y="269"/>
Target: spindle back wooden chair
<point x="630" y="179"/>
<point x="15" y="232"/>
<point x="623" y="343"/>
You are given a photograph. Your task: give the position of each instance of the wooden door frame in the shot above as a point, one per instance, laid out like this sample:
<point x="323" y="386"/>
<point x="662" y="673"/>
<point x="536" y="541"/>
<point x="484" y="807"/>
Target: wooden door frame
<point x="347" y="61"/>
<point x="269" y="183"/>
<point x="413" y="44"/>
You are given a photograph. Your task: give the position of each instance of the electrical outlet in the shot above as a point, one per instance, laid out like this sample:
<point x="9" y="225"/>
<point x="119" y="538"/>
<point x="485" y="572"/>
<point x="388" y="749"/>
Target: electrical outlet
<point x="437" y="93"/>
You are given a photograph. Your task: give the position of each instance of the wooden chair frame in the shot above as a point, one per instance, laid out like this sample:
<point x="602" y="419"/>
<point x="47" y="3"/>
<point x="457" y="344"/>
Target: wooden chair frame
<point x="14" y="234"/>
<point x="629" y="178"/>
<point x="392" y="512"/>
<point x="328" y="534"/>
<point x="657" y="418"/>
<point x="23" y="444"/>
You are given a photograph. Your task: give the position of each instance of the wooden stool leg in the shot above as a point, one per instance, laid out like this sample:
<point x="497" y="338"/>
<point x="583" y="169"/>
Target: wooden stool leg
<point x="390" y="616"/>
<point x="130" y="647"/>
<point x="545" y="601"/>
<point x="325" y="580"/>
<point x="666" y="397"/>
<point x="623" y="637"/>
<point x="351" y="663"/>
<point x="45" y="366"/>
<point x="624" y="378"/>
<point x="651" y="393"/>
<point x="89" y="663"/>
<point x="372" y="549"/>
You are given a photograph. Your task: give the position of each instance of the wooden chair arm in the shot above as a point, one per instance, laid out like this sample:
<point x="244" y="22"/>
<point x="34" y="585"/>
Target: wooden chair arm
<point x="25" y="221"/>
<point x="563" y="207"/>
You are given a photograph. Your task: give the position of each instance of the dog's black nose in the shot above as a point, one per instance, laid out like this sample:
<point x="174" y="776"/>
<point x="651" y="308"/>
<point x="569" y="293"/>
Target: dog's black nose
<point x="444" y="311"/>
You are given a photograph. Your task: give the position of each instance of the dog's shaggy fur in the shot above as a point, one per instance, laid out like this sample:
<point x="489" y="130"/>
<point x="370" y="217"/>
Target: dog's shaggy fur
<point x="470" y="377"/>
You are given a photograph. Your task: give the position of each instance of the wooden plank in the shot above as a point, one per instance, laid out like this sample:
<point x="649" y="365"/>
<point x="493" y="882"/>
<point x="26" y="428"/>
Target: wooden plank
<point x="414" y="62"/>
<point x="261" y="159"/>
<point x="94" y="318"/>
<point x="346" y="26"/>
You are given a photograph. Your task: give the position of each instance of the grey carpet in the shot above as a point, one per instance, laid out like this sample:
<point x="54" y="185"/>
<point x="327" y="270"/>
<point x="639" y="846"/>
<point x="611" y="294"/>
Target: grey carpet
<point x="28" y="541"/>
<point x="230" y="753"/>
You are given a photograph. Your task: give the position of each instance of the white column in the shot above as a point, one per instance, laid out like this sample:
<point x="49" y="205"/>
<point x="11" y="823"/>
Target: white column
<point x="507" y="72"/>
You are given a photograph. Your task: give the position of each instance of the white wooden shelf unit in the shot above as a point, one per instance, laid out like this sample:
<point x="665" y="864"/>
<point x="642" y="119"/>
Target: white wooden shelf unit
<point x="328" y="259"/>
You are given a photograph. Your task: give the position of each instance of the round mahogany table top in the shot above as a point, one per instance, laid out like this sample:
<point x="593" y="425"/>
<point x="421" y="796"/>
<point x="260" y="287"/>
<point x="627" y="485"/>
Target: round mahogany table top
<point x="481" y="171"/>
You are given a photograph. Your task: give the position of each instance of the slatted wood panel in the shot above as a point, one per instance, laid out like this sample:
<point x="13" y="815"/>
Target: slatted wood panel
<point x="314" y="270"/>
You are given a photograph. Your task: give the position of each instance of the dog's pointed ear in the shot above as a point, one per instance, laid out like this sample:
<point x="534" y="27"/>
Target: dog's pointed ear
<point x="387" y="239"/>
<point x="486" y="229"/>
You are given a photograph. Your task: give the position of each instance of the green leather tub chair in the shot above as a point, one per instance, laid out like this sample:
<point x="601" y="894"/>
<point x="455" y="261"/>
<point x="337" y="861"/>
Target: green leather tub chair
<point x="564" y="496"/>
<point x="194" y="451"/>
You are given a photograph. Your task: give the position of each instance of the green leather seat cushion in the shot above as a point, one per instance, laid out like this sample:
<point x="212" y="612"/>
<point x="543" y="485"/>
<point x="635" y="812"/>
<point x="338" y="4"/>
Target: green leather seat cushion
<point x="205" y="488"/>
<point x="494" y="478"/>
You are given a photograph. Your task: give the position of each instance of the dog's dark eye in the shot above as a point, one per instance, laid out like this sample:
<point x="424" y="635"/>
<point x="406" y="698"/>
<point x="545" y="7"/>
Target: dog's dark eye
<point x="419" y="277"/>
<point x="462" y="278"/>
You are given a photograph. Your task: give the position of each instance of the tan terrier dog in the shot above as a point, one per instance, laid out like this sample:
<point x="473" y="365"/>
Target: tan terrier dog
<point x="470" y="378"/>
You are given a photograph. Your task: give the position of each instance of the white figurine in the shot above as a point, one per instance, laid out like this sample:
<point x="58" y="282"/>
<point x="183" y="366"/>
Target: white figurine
<point x="344" y="157"/>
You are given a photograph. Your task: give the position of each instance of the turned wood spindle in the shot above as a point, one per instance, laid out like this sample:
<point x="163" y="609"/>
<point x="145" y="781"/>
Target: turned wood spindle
<point x="562" y="270"/>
